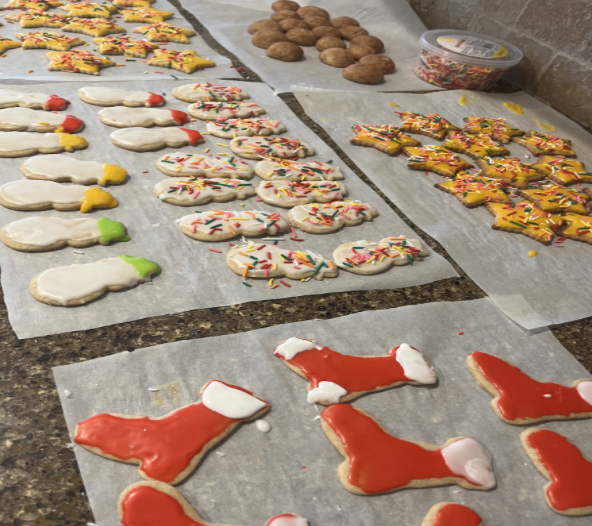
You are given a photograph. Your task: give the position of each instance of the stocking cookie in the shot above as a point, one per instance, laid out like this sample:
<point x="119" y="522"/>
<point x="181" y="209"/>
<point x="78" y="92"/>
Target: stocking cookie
<point x="116" y="97"/>
<point x="388" y="139"/>
<point x="288" y="194"/>
<point x="435" y="159"/>
<point x="568" y="491"/>
<point x="192" y="192"/>
<point x="545" y="144"/>
<point x="274" y="168"/>
<point x="371" y="257"/>
<point x="328" y="217"/>
<point x="22" y="144"/>
<point x="87" y="9"/>
<point x="433" y="125"/>
<point x="221" y="111"/>
<point x="124" y="45"/>
<point x="219" y="225"/>
<point x="26" y="119"/>
<point x="35" y="101"/>
<point x="228" y="129"/>
<point x="37" y="18"/>
<point x="562" y="171"/>
<point x="169" y="448"/>
<point x="512" y="171"/>
<point x="77" y="61"/>
<point x="93" y="27"/>
<point x="41" y="234"/>
<point x="270" y="261"/>
<point x="146" y="14"/>
<point x="578" y="228"/>
<point x="122" y="117"/>
<point x="187" y="61"/>
<point x="163" y="32"/>
<point x="475" y="145"/>
<point x="376" y="462"/>
<point x="182" y="164"/>
<point x="43" y="195"/>
<point x="208" y="92"/>
<point x="335" y="378"/>
<point x="498" y="129"/>
<point x="260" y="147"/>
<point x="472" y="190"/>
<point x="48" y="40"/>
<point x="557" y="199"/>
<point x="451" y="514"/>
<point x="62" y="168"/>
<point x="6" y="44"/>
<point x="146" y="139"/>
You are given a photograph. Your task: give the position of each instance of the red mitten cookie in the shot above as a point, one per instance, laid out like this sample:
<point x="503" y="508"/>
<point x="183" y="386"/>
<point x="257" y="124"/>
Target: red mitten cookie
<point x="451" y="514"/>
<point x="169" y="448"/>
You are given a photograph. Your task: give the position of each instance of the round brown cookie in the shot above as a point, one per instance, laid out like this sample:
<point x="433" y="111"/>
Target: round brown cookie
<point x="266" y="37"/>
<point x="363" y="74"/>
<point x="367" y="40"/>
<point x="278" y="16"/>
<point x="302" y="37"/>
<point x="361" y="51"/>
<point x="382" y="62"/>
<point x="326" y="31"/>
<point x="350" y="32"/>
<point x="344" y="21"/>
<point x="317" y="21"/>
<point x="310" y="10"/>
<point x="293" y="23"/>
<point x="337" y="57"/>
<point x="329" y="42"/>
<point x="285" y="5"/>
<point x="285" y="51"/>
<point x="263" y="24"/>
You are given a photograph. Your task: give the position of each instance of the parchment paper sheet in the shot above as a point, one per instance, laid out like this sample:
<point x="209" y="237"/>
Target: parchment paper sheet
<point x="537" y="291"/>
<point x="193" y="277"/>
<point x="253" y="476"/>
<point x="393" y="21"/>
<point x="15" y="65"/>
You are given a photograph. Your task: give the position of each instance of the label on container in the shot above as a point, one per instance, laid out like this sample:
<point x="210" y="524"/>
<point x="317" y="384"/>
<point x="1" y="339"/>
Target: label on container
<point x="473" y="46"/>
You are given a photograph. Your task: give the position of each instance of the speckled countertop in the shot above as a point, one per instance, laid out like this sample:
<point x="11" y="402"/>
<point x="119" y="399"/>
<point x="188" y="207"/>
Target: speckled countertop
<point x="39" y="480"/>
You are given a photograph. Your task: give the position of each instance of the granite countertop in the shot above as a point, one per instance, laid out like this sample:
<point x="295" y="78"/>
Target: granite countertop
<point x="39" y="479"/>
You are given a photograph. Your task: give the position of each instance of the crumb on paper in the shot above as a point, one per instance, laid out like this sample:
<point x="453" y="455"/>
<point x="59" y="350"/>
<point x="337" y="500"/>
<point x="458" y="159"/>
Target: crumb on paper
<point x="153" y="389"/>
<point x="220" y="453"/>
<point x="78" y="251"/>
<point x="67" y="393"/>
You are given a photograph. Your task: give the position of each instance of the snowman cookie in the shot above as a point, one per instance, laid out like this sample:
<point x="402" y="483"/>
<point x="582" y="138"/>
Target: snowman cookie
<point x="115" y="97"/>
<point x="146" y="139"/>
<point x="36" y="101"/>
<point x="26" y="119"/>
<point x="22" y="144"/>
<point x="122" y="117"/>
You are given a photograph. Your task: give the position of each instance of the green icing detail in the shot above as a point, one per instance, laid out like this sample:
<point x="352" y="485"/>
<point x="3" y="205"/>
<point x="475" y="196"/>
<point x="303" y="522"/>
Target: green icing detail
<point x="144" y="267"/>
<point x="111" y="231"/>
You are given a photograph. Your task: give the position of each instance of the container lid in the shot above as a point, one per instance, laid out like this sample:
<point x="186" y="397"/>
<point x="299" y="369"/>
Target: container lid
<point x="470" y="48"/>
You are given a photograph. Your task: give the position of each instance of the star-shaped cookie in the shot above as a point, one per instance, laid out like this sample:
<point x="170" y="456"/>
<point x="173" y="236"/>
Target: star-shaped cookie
<point x="498" y="129"/>
<point x="472" y="190"/>
<point x="435" y="159"/>
<point x="475" y="145"/>
<point x="49" y="40"/>
<point x="386" y="138"/>
<point x="146" y="14"/>
<point x="93" y="27"/>
<point x="77" y="61"/>
<point x="562" y="171"/>
<point x="37" y="18"/>
<point x="577" y="227"/>
<point x="124" y="45"/>
<point x="41" y="5"/>
<point x="544" y="144"/>
<point x="557" y="199"/>
<point x="525" y="218"/>
<point x="186" y="61"/>
<point x="6" y="44"/>
<point x="432" y="125"/>
<point x="163" y="32"/>
<point x="87" y="9"/>
<point x="133" y="3"/>
<point x="513" y="171"/>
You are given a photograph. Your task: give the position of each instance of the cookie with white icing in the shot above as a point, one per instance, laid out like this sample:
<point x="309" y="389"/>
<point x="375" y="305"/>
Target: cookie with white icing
<point x="183" y="164"/>
<point x="288" y="194"/>
<point x="322" y="218"/>
<point x="26" y="119"/>
<point x="122" y="117"/>
<point x="271" y="261"/>
<point x="274" y="168"/>
<point x="22" y="144"/>
<point x="41" y="234"/>
<point x="371" y="257"/>
<point x="219" y="225"/>
<point x="44" y="195"/>
<point x="228" y="129"/>
<point x="117" y="97"/>
<point x="36" y="101"/>
<point x="208" y="92"/>
<point x="61" y="168"/>
<point x="146" y="139"/>
<point x="257" y="147"/>
<point x="81" y="284"/>
<point x="223" y="110"/>
<point x="191" y="192"/>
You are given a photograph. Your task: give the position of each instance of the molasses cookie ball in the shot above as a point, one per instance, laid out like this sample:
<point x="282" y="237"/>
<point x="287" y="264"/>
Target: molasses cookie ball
<point x="344" y="21"/>
<point x="382" y="62"/>
<point x="278" y="16"/>
<point x="265" y="38"/>
<point x="317" y="21"/>
<point x="302" y="37"/>
<point x="263" y="24"/>
<point x="285" y="51"/>
<point x="337" y="57"/>
<point x="285" y="5"/>
<point x="293" y="23"/>
<point x="350" y="32"/>
<point x="329" y="42"/>
<point x="307" y="11"/>
<point x="363" y="74"/>
<point x="361" y="51"/>
<point x="367" y="40"/>
<point x="326" y="31"/>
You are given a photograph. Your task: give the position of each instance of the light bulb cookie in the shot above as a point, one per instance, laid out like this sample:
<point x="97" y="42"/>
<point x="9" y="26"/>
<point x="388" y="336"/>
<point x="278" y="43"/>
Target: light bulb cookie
<point x="122" y="117"/>
<point x="26" y="119"/>
<point x="99" y="96"/>
<point x="148" y="139"/>
<point x="36" y="101"/>
<point x="22" y="144"/>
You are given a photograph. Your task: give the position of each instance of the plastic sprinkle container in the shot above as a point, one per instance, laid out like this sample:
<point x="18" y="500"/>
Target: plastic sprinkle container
<point x="454" y="59"/>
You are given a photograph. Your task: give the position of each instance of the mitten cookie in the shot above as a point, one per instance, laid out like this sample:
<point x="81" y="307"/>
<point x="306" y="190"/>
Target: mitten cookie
<point x="49" y="40"/>
<point x="169" y="448"/>
<point x="228" y="129"/>
<point x="122" y="117"/>
<point x="544" y="144"/>
<point x="124" y="45"/>
<point x="556" y="199"/>
<point x="472" y="190"/>
<point x="146" y="139"/>
<point x="498" y="129"/>
<point x="77" y="61"/>
<point x="191" y="192"/>
<point x="512" y="171"/>
<point x="163" y="32"/>
<point x="451" y="514"/>
<point x="324" y="218"/>
<point x="258" y="147"/>
<point x="274" y="168"/>
<point x="36" y="101"/>
<point x="182" y="164"/>
<point x="26" y="119"/>
<point x="335" y="378"/>
<point x="215" y="111"/>
<point x="93" y="27"/>
<point x="208" y="92"/>
<point x="388" y="139"/>
<point x="186" y="61"/>
<point x="21" y="144"/>
<point x="116" y="97"/>
<point x="433" y="125"/>
<point x="435" y="159"/>
<point x="288" y="194"/>
<point x="562" y="171"/>
<point x="475" y="145"/>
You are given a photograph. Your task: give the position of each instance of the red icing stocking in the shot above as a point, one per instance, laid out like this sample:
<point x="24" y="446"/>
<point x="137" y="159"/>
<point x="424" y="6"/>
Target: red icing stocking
<point x="450" y="514"/>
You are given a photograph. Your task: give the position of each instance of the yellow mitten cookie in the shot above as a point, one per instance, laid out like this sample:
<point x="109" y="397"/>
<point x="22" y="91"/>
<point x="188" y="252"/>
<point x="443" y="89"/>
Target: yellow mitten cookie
<point x="498" y="129"/>
<point x="432" y="125"/>
<point x="37" y="18"/>
<point x="6" y="44"/>
<point x="474" y="145"/>
<point x="124" y="45"/>
<point x="557" y="199"/>
<point x="387" y="138"/>
<point x="77" y="61"/>
<point x="513" y="171"/>
<point x="435" y="159"/>
<point x="146" y="14"/>
<point x="93" y="27"/>
<point x="544" y="144"/>
<point x="472" y="190"/>
<point x="163" y="32"/>
<point x="89" y="10"/>
<point x="185" y="61"/>
<point x="562" y="171"/>
<point x="48" y="40"/>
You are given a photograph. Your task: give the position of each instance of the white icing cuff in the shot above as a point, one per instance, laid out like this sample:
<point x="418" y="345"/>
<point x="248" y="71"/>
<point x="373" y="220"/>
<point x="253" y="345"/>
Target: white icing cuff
<point x="294" y="346"/>
<point x="414" y="365"/>
<point x="326" y="393"/>
<point x="287" y="520"/>
<point x="469" y="459"/>
<point x="230" y="402"/>
<point x="585" y="391"/>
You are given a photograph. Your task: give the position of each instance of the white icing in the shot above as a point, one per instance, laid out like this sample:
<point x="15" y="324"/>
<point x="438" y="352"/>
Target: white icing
<point x="8" y="96"/>
<point x="585" y="391"/>
<point x="23" y="193"/>
<point x="414" y="365"/>
<point x="20" y="141"/>
<point x="244" y="127"/>
<point x="154" y="138"/>
<point x="30" y="120"/>
<point x="47" y="231"/>
<point x="215" y="110"/>
<point x="197" y="92"/>
<point x="288" y="194"/>
<point x="58" y="166"/>
<point x="467" y="458"/>
<point x="263" y="425"/>
<point x="293" y="346"/>
<point x="203" y="165"/>
<point x="326" y="393"/>
<point x="304" y="215"/>
<point x="257" y="147"/>
<point x="115" y="96"/>
<point x="189" y="192"/>
<point x="234" y="223"/>
<point x="288" y="521"/>
<point x="230" y="402"/>
<point x="128" y="117"/>
<point x="272" y="168"/>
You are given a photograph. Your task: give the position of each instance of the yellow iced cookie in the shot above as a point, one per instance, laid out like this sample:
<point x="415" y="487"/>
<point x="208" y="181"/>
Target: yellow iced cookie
<point x="472" y="190"/>
<point x="387" y="138"/>
<point x="474" y="145"/>
<point x="77" y="61"/>
<point x="37" y="18"/>
<point x="544" y="144"/>
<point x="133" y="3"/>
<point x="513" y="171"/>
<point x="577" y="227"/>
<point x="124" y="45"/>
<point x="93" y="27"/>
<point x="146" y="14"/>
<point x="435" y="159"/>
<point x="557" y="199"/>
<point x="163" y="32"/>
<point x="48" y="40"/>
<point x="432" y="125"/>
<point x="89" y="10"/>
<point x="42" y="5"/>
<point x="499" y="129"/>
<point x="562" y="171"/>
<point x="185" y="61"/>
<point x="6" y="44"/>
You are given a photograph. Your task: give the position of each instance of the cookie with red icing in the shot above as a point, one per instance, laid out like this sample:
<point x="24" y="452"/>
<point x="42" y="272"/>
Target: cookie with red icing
<point x="451" y="514"/>
<point x="377" y="462"/>
<point x="169" y="448"/>
<point x="520" y="399"/>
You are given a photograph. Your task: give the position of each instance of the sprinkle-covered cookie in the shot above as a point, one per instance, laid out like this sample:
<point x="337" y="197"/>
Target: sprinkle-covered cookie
<point x="146" y="14"/>
<point x="472" y="190"/>
<point x="433" y="125"/>
<point x="216" y="111"/>
<point x="37" y="18"/>
<point x="513" y="171"/>
<point x="186" y="61"/>
<point x="231" y="128"/>
<point x="577" y="227"/>
<point x="98" y="27"/>
<point x="259" y="147"/>
<point x="41" y="5"/>
<point x="182" y="164"/>
<point x="77" y="61"/>
<point x="556" y="199"/>
<point x="288" y="194"/>
<point x="276" y="169"/>
<point x="435" y="159"/>
<point x="49" y="40"/>
<point x="316" y="218"/>
<point x="124" y="45"/>
<point x="163" y="32"/>
<point x="475" y="145"/>
<point x="387" y="138"/>
<point x="87" y="9"/>
<point x="191" y="192"/>
<point x="6" y="44"/>
<point x="562" y="171"/>
<point x="133" y="3"/>
<point x="498" y="129"/>
<point x="208" y="92"/>
<point x="544" y="144"/>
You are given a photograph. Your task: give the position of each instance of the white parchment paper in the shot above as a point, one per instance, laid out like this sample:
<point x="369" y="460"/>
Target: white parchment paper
<point x="253" y="476"/>
<point x="393" y="21"/>
<point x="18" y="62"/>
<point x="193" y="277"/>
<point x="534" y="291"/>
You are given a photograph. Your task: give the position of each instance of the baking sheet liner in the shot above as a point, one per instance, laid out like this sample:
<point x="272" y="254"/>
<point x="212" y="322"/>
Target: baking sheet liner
<point x="252" y="476"/>
<point x="193" y="277"/>
<point x="549" y="289"/>
<point x="35" y="64"/>
<point x="393" y="21"/>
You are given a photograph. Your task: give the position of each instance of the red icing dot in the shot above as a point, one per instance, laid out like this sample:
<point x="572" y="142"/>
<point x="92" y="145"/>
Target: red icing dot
<point x="193" y="135"/>
<point x="154" y="100"/>
<point x="55" y="103"/>
<point x="456" y="515"/>
<point x="180" y="116"/>
<point x="71" y="124"/>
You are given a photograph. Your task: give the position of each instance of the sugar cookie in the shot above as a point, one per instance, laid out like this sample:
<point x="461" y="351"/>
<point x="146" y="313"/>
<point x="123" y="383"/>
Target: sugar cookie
<point x="274" y="168"/>
<point x="146" y="14"/>
<point x="513" y="171"/>
<point x="40" y="5"/>
<point x="148" y="139"/>
<point x="388" y="139"/>
<point x="228" y="129"/>
<point x="562" y="171"/>
<point x="497" y="128"/>
<point x="22" y="144"/>
<point x="208" y="92"/>
<point x="87" y="9"/>
<point x="474" y="145"/>
<point x="77" y="61"/>
<point x="114" y="97"/>
<point x="186" y="61"/>
<point x="48" y="40"/>
<point x="545" y="144"/>
<point x="191" y="192"/>
<point x="556" y="199"/>
<point x="26" y="119"/>
<point x="36" y="101"/>
<point x="163" y="32"/>
<point x="214" y="111"/>
<point x="435" y="159"/>
<point x="257" y="147"/>
<point x="37" y="18"/>
<point x="433" y="125"/>
<point x="7" y="44"/>
<point x="451" y="514"/>
<point x="183" y="164"/>
<point x="122" y="117"/>
<point x="124" y="45"/>
<point x="93" y="27"/>
<point x="133" y="3"/>
<point x="317" y="218"/>
<point x="288" y="194"/>
<point x="472" y="190"/>
<point x="577" y="227"/>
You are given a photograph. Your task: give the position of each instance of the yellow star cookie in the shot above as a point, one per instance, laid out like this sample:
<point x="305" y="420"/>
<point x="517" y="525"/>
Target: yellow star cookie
<point x="499" y="129"/>
<point x="435" y="159"/>
<point x="6" y="44"/>
<point x="77" y="61"/>
<point x="124" y="45"/>
<point x="163" y="32"/>
<point x="186" y="61"/>
<point x="577" y="227"/>
<point x="513" y="171"/>
<point x="87" y="9"/>
<point x="41" y="5"/>
<point x="431" y="125"/>
<point x="556" y="199"/>
<point x="525" y="218"/>
<point x="544" y="144"/>
<point x="48" y="40"/>
<point x="37" y="18"/>
<point x="562" y="171"/>
<point x="472" y="190"/>
<point x="93" y="27"/>
<point x="388" y="139"/>
<point x="146" y="14"/>
<point x="133" y="3"/>
<point x="474" y="145"/>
